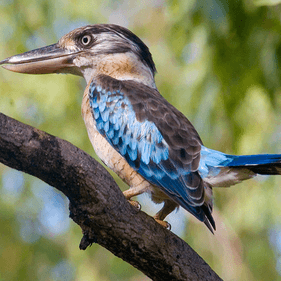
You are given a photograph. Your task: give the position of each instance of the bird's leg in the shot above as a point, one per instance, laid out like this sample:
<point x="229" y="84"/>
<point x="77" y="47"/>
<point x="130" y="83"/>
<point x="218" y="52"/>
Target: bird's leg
<point x="169" y="206"/>
<point x="134" y="191"/>
<point x="130" y="193"/>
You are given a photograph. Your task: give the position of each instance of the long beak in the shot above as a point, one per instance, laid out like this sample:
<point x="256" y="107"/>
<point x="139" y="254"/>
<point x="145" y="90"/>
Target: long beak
<point x="49" y="59"/>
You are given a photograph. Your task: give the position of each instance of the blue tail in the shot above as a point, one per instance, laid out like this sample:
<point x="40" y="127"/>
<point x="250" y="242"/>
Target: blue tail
<point x="264" y="164"/>
<point x="221" y="169"/>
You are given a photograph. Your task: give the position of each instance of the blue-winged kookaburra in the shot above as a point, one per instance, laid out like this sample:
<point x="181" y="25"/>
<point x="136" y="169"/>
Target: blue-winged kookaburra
<point x="146" y="141"/>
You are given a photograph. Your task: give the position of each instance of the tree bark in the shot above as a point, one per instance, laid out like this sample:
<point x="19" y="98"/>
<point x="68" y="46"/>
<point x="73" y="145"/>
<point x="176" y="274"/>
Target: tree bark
<point x="98" y="206"/>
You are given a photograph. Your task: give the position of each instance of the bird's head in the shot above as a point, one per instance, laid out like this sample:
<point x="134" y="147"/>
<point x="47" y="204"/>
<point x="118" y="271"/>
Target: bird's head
<point x="88" y="51"/>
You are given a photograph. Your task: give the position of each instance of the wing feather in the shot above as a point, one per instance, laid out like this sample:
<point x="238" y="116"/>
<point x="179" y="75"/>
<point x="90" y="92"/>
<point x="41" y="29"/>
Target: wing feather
<point x="153" y="136"/>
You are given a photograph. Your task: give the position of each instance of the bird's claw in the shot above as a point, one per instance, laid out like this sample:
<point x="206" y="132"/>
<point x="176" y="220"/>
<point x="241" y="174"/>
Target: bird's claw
<point x="165" y="224"/>
<point x="136" y="204"/>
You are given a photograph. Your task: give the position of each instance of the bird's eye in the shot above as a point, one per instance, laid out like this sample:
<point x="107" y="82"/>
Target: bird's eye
<point x="86" y="40"/>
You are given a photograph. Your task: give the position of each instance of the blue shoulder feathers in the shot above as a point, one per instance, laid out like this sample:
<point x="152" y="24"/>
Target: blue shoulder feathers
<point x="116" y="120"/>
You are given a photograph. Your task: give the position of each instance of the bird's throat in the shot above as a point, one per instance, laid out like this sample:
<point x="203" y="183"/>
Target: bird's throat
<point x="122" y="66"/>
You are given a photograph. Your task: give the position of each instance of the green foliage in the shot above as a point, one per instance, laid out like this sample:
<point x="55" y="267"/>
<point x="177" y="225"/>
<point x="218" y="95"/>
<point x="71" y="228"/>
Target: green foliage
<point x="218" y="62"/>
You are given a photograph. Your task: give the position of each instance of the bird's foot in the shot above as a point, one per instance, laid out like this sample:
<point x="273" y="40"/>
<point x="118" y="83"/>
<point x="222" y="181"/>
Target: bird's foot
<point x="136" y="204"/>
<point x="165" y="224"/>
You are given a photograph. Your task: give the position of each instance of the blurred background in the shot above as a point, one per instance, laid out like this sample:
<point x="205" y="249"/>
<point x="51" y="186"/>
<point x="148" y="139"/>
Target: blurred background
<point x="218" y="62"/>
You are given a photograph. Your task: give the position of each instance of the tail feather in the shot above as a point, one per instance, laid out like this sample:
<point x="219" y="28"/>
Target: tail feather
<point x="263" y="164"/>
<point x="254" y="160"/>
<point x="265" y="169"/>
<point x="219" y="169"/>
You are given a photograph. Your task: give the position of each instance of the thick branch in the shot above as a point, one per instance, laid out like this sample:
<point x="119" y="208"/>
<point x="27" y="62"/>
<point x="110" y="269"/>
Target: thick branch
<point x="98" y="206"/>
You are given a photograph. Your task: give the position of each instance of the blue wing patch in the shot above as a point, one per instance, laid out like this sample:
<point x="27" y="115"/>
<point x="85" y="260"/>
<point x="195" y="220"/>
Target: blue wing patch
<point x="116" y="120"/>
<point x="144" y="148"/>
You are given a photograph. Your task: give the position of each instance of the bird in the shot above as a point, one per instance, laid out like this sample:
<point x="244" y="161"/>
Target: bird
<point x="135" y="132"/>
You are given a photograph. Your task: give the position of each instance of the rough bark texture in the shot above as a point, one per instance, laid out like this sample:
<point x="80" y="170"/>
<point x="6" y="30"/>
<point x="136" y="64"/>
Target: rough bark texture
<point x="98" y="206"/>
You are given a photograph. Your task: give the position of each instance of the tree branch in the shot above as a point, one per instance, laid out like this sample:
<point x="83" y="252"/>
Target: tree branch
<point x="98" y="206"/>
